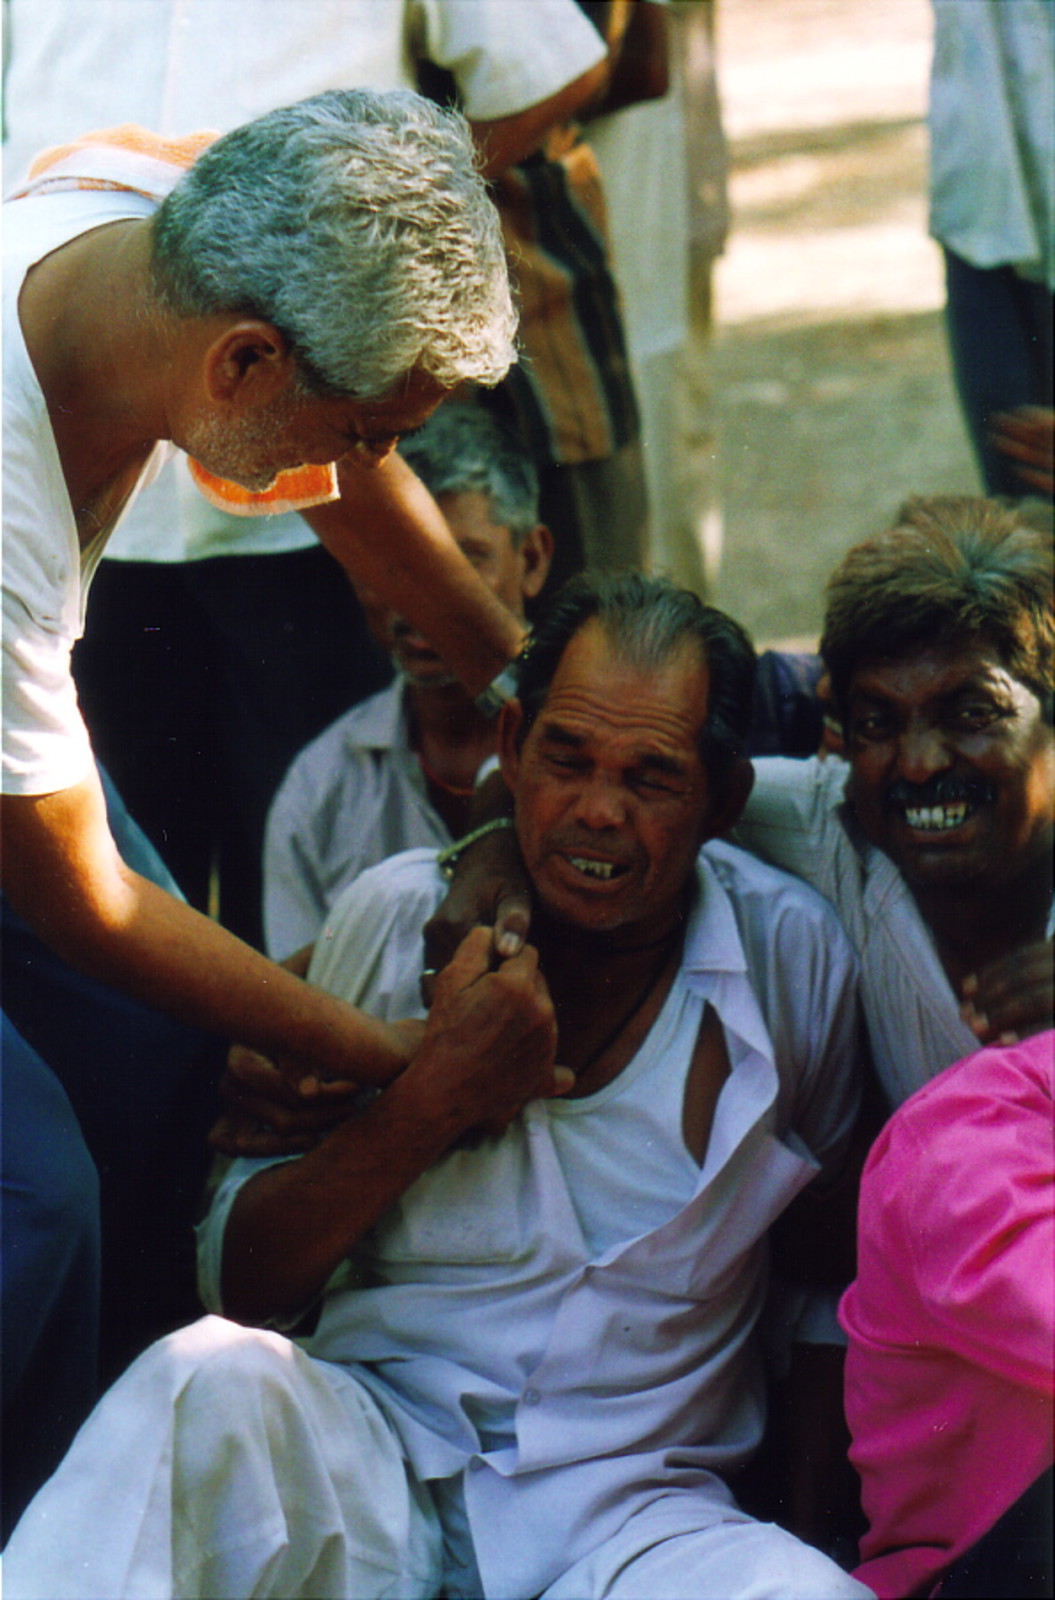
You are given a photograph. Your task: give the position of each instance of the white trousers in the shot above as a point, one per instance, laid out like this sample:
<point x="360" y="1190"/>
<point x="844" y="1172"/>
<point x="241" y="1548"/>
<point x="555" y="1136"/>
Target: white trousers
<point x="226" y="1463"/>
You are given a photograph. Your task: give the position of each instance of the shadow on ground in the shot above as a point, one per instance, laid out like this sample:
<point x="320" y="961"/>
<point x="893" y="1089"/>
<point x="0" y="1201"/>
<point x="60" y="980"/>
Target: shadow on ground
<point x="822" y="431"/>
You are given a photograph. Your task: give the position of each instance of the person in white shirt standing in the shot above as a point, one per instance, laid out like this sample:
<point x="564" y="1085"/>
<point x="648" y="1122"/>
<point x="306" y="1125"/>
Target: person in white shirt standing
<point x="543" y="1365"/>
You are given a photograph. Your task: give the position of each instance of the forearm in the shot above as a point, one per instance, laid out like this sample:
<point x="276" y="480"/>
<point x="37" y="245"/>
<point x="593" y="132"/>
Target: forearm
<point x="292" y="1225"/>
<point x="488" y="1049"/>
<point x="503" y="141"/>
<point x="388" y="533"/>
<point x="62" y="873"/>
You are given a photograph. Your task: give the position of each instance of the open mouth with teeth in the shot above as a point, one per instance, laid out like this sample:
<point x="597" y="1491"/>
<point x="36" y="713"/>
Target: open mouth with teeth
<point x="600" y="871"/>
<point x="937" y="819"/>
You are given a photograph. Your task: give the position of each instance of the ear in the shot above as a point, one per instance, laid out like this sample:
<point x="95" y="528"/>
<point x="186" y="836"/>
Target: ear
<point x="510" y="722"/>
<point x="728" y="808"/>
<point x="248" y="363"/>
<point x="536" y="554"/>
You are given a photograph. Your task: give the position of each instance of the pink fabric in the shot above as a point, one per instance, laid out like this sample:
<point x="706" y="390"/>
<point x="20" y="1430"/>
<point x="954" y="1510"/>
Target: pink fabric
<point x="949" y="1374"/>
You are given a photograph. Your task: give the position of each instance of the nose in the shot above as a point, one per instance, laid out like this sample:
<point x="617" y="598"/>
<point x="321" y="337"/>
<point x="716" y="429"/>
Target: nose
<point x="600" y="803"/>
<point x="921" y="751"/>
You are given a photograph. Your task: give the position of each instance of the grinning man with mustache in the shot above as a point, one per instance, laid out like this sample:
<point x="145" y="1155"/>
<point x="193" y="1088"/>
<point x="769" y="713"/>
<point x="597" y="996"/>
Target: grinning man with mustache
<point x="934" y="843"/>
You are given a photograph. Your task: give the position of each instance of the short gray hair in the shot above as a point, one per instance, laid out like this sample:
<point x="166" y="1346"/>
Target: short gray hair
<point x="358" y="224"/>
<point x="463" y="449"/>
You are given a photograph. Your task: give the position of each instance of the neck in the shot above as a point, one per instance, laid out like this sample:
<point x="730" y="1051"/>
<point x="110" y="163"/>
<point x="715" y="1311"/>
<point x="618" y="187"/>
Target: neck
<point x="445" y="712"/>
<point x="973" y="924"/>
<point x="607" y="989"/>
<point x="451" y="739"/>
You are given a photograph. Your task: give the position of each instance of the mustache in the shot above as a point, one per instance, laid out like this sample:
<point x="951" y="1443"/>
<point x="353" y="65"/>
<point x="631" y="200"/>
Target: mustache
<point x="948" y="789"/>
<point x="566" y="844"/>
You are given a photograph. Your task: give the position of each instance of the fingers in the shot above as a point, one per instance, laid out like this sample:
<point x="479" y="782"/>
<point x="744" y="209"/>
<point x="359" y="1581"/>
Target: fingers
<point x="470" y="962"/>
<point x="563" y="1080"/>
<point x="1011" y="998"/>
<point x="442" y="938"/>
<point x="233" y="1135"/>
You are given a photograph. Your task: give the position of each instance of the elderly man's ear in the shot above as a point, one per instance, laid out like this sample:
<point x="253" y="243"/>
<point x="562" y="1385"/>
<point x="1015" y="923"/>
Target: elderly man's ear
<point x="248" y="362"/>
<point x="510" y="719"/>
<point x="536" y="556"/>
<point x="727" y="805"/>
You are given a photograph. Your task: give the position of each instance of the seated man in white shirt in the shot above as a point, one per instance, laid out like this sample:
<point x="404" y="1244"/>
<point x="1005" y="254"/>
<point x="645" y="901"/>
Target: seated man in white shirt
<point x="398" y="770"/>
<point x="537" y="1366"/>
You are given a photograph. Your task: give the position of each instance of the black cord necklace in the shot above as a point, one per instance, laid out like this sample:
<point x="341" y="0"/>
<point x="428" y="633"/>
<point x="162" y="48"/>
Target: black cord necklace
<point x="641" y="999"/>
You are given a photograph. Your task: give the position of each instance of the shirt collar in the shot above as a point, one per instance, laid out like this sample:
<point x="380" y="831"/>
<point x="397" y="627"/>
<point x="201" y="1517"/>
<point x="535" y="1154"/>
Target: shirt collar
<point x="712" y="938"/>
<point x="381" y="723"/>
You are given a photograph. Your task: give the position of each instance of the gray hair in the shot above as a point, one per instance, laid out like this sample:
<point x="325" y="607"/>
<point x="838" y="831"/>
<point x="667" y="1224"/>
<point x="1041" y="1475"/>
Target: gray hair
<point x="463" y="449"/>
<point x="358" y="225"/>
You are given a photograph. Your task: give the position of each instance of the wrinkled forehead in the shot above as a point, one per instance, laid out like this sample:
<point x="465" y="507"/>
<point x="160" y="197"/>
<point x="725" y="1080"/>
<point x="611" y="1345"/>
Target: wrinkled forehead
<point x="599" y="690"/>
<point x="929" y="665"/>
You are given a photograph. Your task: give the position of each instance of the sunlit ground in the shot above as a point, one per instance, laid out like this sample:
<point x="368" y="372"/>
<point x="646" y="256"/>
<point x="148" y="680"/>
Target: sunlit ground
<point x="832" y="398"/>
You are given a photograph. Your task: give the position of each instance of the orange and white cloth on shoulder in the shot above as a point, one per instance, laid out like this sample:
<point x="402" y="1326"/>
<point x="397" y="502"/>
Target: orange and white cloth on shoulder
<point x="129" y="157"/>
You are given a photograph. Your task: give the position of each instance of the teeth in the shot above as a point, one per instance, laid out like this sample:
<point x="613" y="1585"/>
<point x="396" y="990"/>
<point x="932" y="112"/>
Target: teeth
<point x="593" y="869"/>
<point x="936" y="819"/>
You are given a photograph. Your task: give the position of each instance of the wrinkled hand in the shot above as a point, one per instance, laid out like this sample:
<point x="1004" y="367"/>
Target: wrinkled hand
<point x="268" y="1111"/>
<point x="489" y="887"/>
<point x="1027" y="436"/>
<point x="491" y="1038"/>
<point x="1013" y="997"/>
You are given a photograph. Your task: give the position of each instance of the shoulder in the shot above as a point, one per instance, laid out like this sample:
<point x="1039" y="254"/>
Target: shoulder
<point x="998" y="1098"/>
<point x="796" y="791"/>
<point x="371" y="943"/>
<point x="765" y="898"/>
<point x="323" y="764"/>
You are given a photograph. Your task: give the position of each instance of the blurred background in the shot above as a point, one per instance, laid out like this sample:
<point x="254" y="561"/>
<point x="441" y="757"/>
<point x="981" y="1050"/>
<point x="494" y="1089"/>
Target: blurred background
<point x="822" y="393"/>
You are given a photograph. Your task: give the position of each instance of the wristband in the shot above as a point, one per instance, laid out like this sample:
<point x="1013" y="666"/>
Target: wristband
<point x="448" y="859"/>
<point x="504" y="687"/>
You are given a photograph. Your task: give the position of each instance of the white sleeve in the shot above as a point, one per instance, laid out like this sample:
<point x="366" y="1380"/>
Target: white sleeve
<point x="504" y="56"/>
<point x="368" y="953"/>
<point x="294" y="902"/>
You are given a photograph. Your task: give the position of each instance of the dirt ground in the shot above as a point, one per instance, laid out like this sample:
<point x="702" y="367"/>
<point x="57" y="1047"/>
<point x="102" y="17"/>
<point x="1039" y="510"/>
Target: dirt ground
<point x="826" y="395"/>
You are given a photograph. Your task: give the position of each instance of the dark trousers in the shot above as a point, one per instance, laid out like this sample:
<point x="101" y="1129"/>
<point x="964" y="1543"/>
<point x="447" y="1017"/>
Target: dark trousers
<point x="199" y="682"/>
<point x="1000" y="340"/>
<point x="106" y="1104"/>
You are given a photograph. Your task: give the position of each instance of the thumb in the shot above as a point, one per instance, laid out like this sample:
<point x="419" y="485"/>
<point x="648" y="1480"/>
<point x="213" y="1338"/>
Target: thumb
<point x="512" y="920"/>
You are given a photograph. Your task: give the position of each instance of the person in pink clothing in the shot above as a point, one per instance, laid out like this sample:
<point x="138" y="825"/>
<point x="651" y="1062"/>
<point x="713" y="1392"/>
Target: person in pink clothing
<point x="951" y="1322"/>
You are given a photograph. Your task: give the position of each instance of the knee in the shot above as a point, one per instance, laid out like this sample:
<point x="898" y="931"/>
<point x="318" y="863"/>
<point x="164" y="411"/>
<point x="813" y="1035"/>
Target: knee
<point x="216" y="1365"/>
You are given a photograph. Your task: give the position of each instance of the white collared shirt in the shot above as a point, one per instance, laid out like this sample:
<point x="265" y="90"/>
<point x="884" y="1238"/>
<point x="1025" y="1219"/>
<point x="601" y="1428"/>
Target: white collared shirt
<point x="352" y="797"/>
<point x="568" y="1311"/>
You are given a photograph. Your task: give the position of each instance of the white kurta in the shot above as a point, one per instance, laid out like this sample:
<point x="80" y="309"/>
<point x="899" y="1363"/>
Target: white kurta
<point x="559" y="1327"/>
